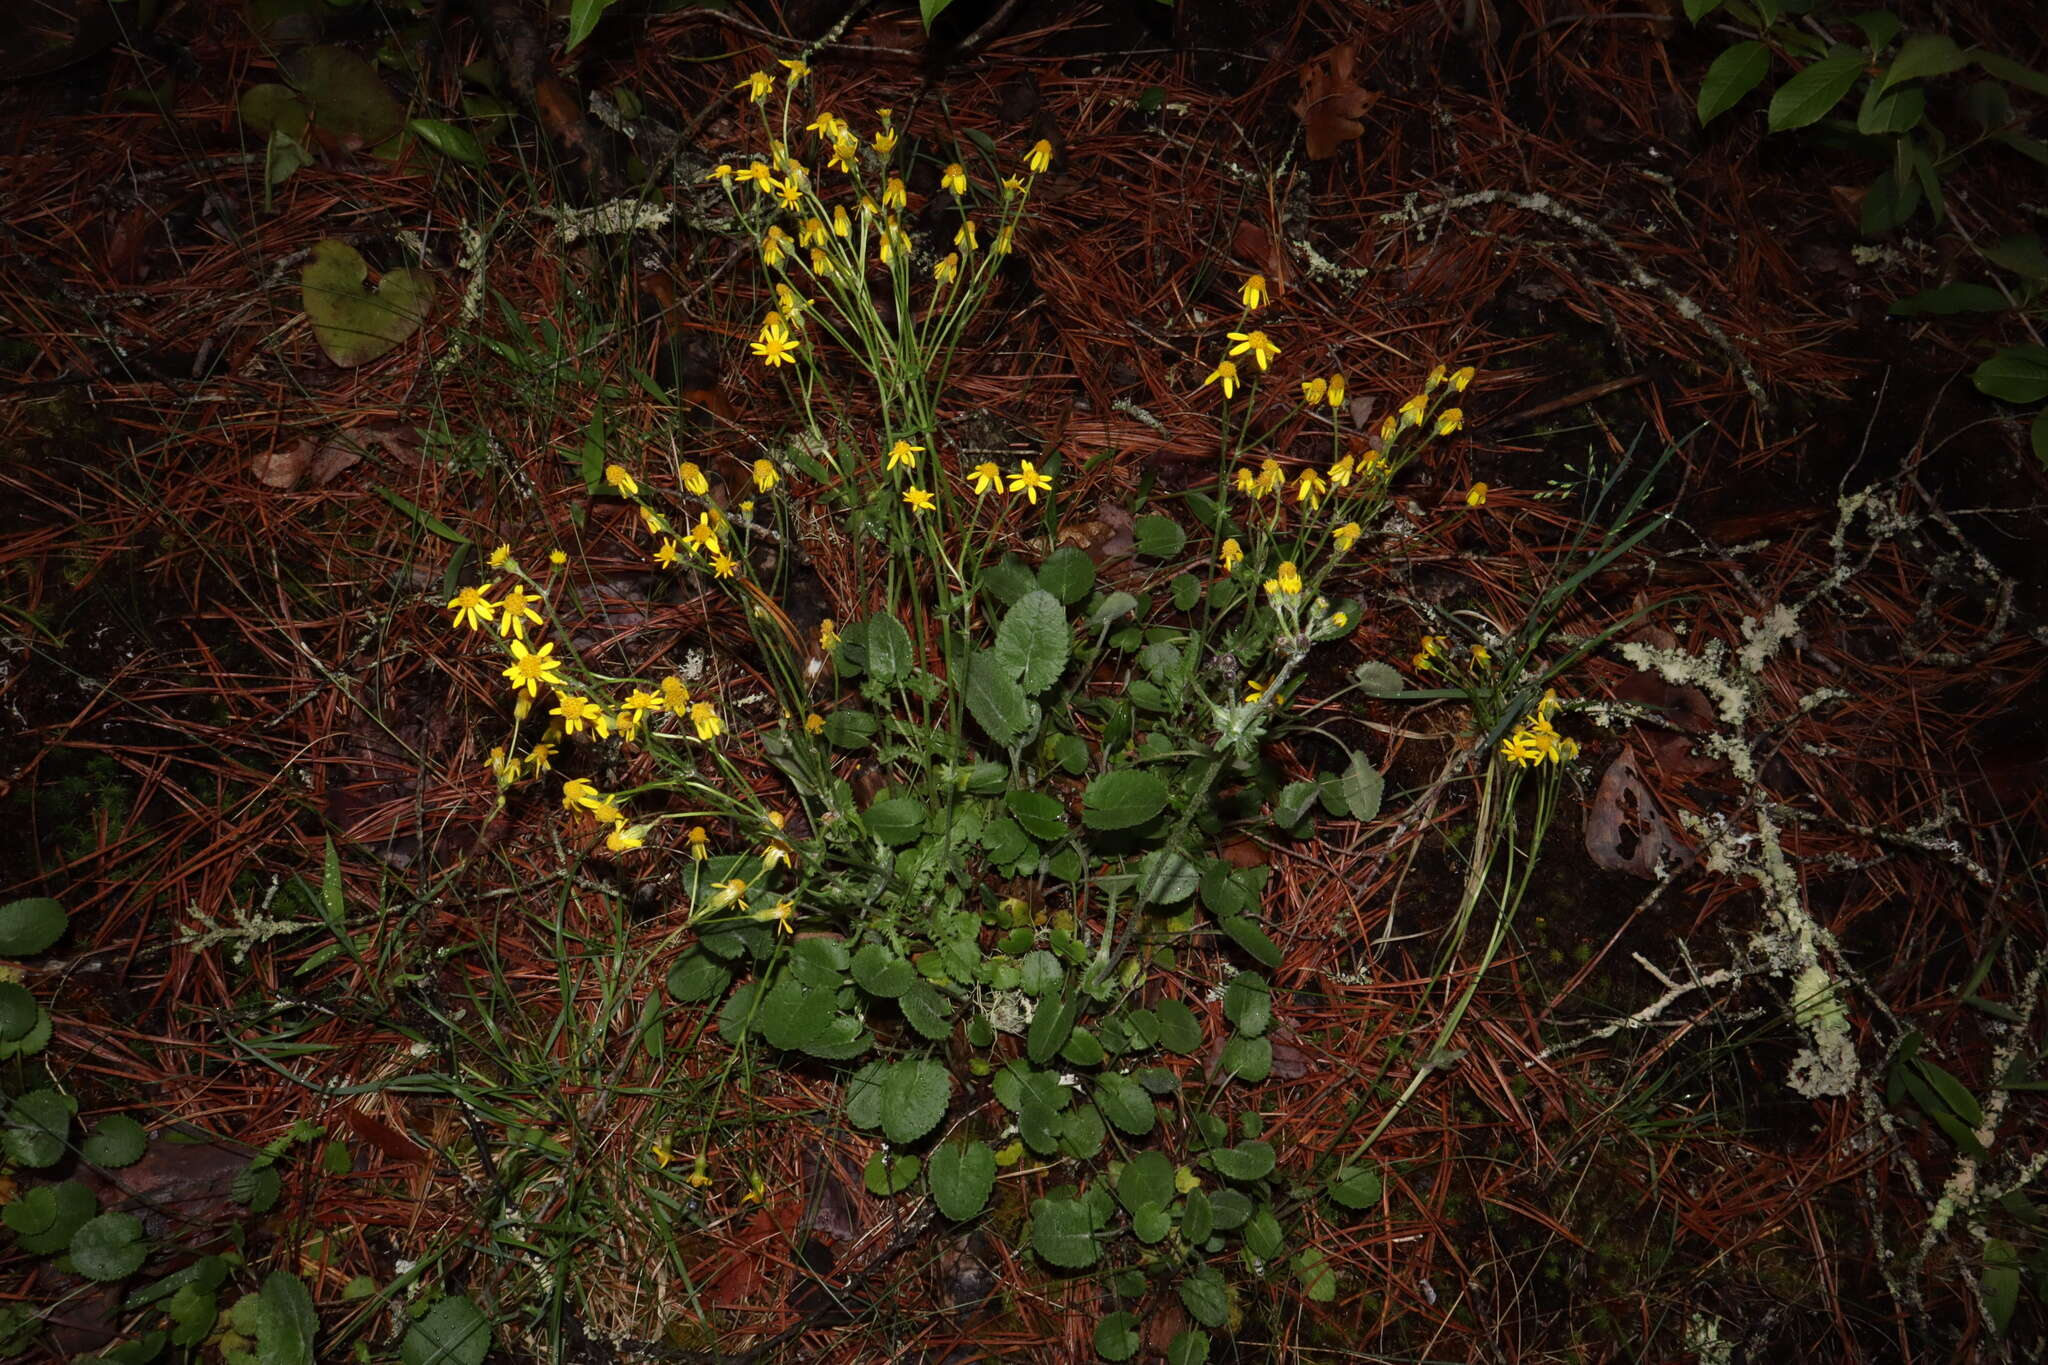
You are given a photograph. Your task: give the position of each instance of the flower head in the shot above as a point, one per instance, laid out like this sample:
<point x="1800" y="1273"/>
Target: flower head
<point x="516" y="613"/>
<point x="954" y="178"/>
<point x="918" y="499"/>
<point x="674" y="695"/>
<point x="828" y="635"/>
<point x="1253" y="292"/>
<point x="797" y="67"/>
<point x="903" y="455"/>
<point x="1312" y="390"/>
<point x="472" y="608"/>
<point x="766" y="475"/>
<point x="758" y="86"/>
<point x="1258" y="343"/>
<point x="558" y="557"/>
<point x="691" y="475"/>
<point x="1449" y="420"/>
<point x="1272" y="478"/>
<point x="699" y="840"/>
<point x="1310" y="488"/>
<point x="1231" y="555"/>
<point x="1341" y="471"/>
<point x="578" y="793"/>
<point x="1226" y="373"/>
<point x="500" y="557"/>
<point x="1346" y="535"/>
<point x="623" y="839"/>
<point x="724" y="566"/>
<point x="540" y="758"/>
<point x="987" y="477"/>
<point x="964" y="236"/>
<point x="1039" y="160"/>
<point x="705" y="719"/>
<point x="947" y="269"/>
<point x="894" y="196"/>
<point x="782" y="914"/>
<point x="1475" y="496"/>
<point x="1431" y="652"/>
<point x="776" y="346"/>
<point x="1286" y="581"/>
<point x="1335" y="394"/>
<point x="1028" y="481"/>
<point x="531" y="668"/>
<point x="885" y="141"/>
<point x="1461" y="379"/>
<point x="814" y="724"/>
<point x="577" y="712"/>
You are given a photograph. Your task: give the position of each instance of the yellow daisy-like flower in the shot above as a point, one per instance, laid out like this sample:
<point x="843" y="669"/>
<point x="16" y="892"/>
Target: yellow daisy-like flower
<point x="1335" y="394"/>
<point x="964" y="236"/>
<point x="1431" y="651"/>
<point x="828" y="635"/>
<point x="1346" y="535"/>
<point x="662" y="1153"/>
<point x="758" y="86"/>
<point x="903" y="455"/>
<point x="1286" y="580"/>
<point x="821" y="265"/>
<point x="1226" y="374"/>
<point x="1312" y="390"/>
<point x="472" y="609"/>
<point x="1390" y="427"/>
<point x="954" y="178"/>
<point x="828" y="126"/>
<point x="1272" y="478"/>
<point x="1028" y="481"/>
<point x="1246" y="482"/>
<point x="703" y="537"/>
<point x="1436" y="379"/>
<point x="766" y="475"/>
<point x="987" y="477"/>
<point x="1341" y="471"/>
<point x="782" y="913"/>
<point x="625" y="840"/>
<point x="732" y="891"/>
<point x="1412" y="410"/>
<point x="885" y="141"/>
<point x="1039" y="160"/>
<point x="1461" y="379"/>
<point x="918" y="499"/>
<point x="812" y="232"/>
<point x="705" y="719"/>
<point x="814" y="724"/>
<point x="722" y="171"/>
<point x="759" y="173"/>
<point x="774" y="246"/>
<point x="1481" y="656"/>
<point x="948" y="270"/>
<point x="1006" y="238"/>
<point x="1475" y="496"/>
<point x="1231" y="555"/>
<point x="529" y="669"/>
<point x="579" y="794"/>
<point x="894" y="196"/>
<point x="844" y="150"/>
<point x="1258" y="344"/>
<point x="674" y="695"/>
<point x="667" y="554"/>
<point x="506" y="770"/>
<point x="1253" y="292"/>
<point x="500" y="557"/>
<point x="1310" y="488"/>
<point x="639" y="702"/>
<point x="797" y="67"/>
<point x="540" y="758"/>
<point x="516" y="613"/>
<point x="1449" y="420"/>
<point x="791" y="193"/>
<point x="558" y="557"/>
<point x="1013" y="185"/>
<point x="691" y="476"/>
<point x="698" y="1176"/>
<point x="577" y="712"/>
<point x="776" y="347"/>
<point x="699" y="840"/>
<point x="724" y="566"/>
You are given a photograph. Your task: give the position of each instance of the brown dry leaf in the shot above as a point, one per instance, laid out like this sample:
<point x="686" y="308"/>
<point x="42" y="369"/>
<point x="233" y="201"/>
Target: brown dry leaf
<point x="1331" y="101"/>
<point x="284" y="468"/>
<point x="1624" y="832"/>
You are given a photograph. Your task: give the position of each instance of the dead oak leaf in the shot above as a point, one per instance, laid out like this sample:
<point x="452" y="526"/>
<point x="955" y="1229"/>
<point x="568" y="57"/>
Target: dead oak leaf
<point x="1331" y="100"/>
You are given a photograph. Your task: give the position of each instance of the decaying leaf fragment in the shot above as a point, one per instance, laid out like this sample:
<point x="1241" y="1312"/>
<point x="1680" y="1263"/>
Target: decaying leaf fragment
<point x="1331" y="100"/>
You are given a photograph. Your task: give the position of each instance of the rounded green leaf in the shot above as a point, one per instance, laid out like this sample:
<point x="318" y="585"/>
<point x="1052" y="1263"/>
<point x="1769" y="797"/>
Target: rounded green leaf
<point x="1116" y="1337"/>
<point x="864" y="1096"/>
<point x="881" y="972"/>
<point x="355" y="324"/>
<point x="1248" y="1003"/>
<point x="457" y="144"/>
<point x="914" y="1098"/>
<point x="1067" y="574"/>
<point x="109" y="1247"/>
<point x="1033" y="641"/>
<point x="1356" y="1187"/>
<point x="1063" y="1233"/>
<point x="961" y="1175"/>
<point x="454" y="1332"/>
<point x="794" y="1015"/>
<point x="1150" y="1224"/>
<point x="1318" y="1281"/>
<point x="1189" y="1347"/>
<point x="995" y="699"/>
<point x="37" y="1125"/>
<point x="888" y="1174"/>
<point x="1808" y="96"/>
<point x="1178" y="1030"/>
<point x="1123" y="798"/>
<point x="1249" y="936"/>
<point x="1246" y="1161"/>
<point x="1159" y="537"/>
<point x="927" y="1011"/>
<point x="1733" y="75"/>
<point x="1206" y="1297"/>
<point x="44" y="1219"/>
<point x="1125" y="1103"/>
<point x="29" y="926"/>
<point x="116" y="1142"/>
<point x="1197" y="1218"/>
<point x="698" y="977"/>
<point x="1922" y="55"/>
<point x="1363" y="788"/>
<point x="895" y="821"/>
<point x="2017" y="374"/>
<point x="349" y="98"/>
<point x="1146" y="1181"/>
<point x="17" y="1011"/>
<point x="1042" y="816"/>
<point x="1247" y="1059"/>
<point x="29" y="1044"/>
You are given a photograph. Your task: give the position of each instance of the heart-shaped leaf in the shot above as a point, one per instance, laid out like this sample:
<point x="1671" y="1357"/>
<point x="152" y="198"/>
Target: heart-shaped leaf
<point x="355" y="324"/>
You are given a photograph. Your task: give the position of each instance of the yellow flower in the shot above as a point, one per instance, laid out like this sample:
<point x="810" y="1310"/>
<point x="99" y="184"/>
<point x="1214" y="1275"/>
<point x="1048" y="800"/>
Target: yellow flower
<point x="1286" y="582"/>
<point x="1310" y="488"/>
<point x="1449" y="420"/>
<point x="1253" y="292"/>
<point x="1028" y="481"/>
<point x="1340" y="472"/>
<point x="1481" y="656"/>
<point x="1389" y="429"/>
<point x="757" y="1189"/>
<point x="1261" y="347"/>
<point x="558" y="557"/>
<point x="699" y="839"/>
<point x="1253" y="690"/>
<point x="722" y="171"/>
<point x="947" y="270"/>
<point x="1227" y="373"/>
<point x="691" y="476"/>
<point x="885" y="141"/>
<point x="919" y="500"/>
<point x="732" y="891"/>
<point x="662" y="1154"/>
<point x="516" y="613"/>
<point x="1247" y="482"/>
<point x="667" y="556"/>
<point x="766" y="475"/>
<point x="1272" y="478"/>
<point x="987" y="477"/>
<point x="814" y="724"/>
<point x="776" y="347"/>
<point x="893" y="194"/>
<point x="758" y="86"/>
<point x="812" y="233"/>
<point x="1475" y="496"/>
<point x="724" y="566"/>
<point x="954" y="178"/>
<point x="1336" y="391"/>
<point x="774" y="246"/>
<point x="1436" y="378"/>
<point x="674" y="695"/>
<point x="828" y="635"/>
<point x="828" y="126"/>
<point x="821" y="265"/>
<point x="1346" y="535"/>
<point x="472" y="608"/>
<point x="624" y="840"/>
<point x="698" y="1176"/>
<point x="706" y="721"/>
<point x="500" y="557"/>
<point x="798" y="68"/>
<point x="1462" y="378"/>
<point x="1432" y="650"/>
<point x="540" y="758"/>
<point x="1312" y="390"/>
<point x="1412" y="410"/>
<point x="903" y="455"/>
<point x="640" y="701"/>
<point x="1006" y="238"/>
<point x="791" y="193"/>
<point x="1040" y="158"/>
<point x="759" y="173"/>
<point x="844" y="149"/>
<point x="579" y="794"/>
<point x="506" y="770"/>
<point x="964" y="237"/>
<point x="1231" y="555"/>
<point x="783" y="913"/>
<point x="1013" y="185"/>
<point x="577" y="712"/>
<point x="530" y="668"/>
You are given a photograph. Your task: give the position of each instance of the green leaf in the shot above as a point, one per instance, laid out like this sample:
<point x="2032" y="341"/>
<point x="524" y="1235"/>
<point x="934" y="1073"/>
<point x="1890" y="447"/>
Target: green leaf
<point x="1116" y="1337"/>
<point x="864" y="1096"/>
<point x="117" y="1141"/>
<point x="1733" y="75"/>
<point x="1363" y="788"/>
<point x="1063" y="1233"/>
<point x="1953" y="1093"/>
<point x="2021" y="255"/>
<point x="37" y="1125"/>
<point x="931" y="10"/>
<point x="1318" y="1281"/>
<point x="1922" y="55"/>
<point x="1879" y="27"/>
<point x="698" y="978"/>
<point x="30" y="1043"/>
<point x="1178" y="1030"/>
<point x="2009" y="71"/>
<point x="1122" y="798"/>
<point x="44" y="1219"/>
<point x="1159" y="537"/>
<point x="454" y="1332"/>
<point x="1808" y="96"/>
<point x="1247" y="1059"/>
<point x="17" y="1011"/>
<point x="1206" y="1297"/>
<point x="1050" y="1025"/>
<point x="889" y="651"/>
<point x="995" y="700"/>
<point x="1246" y="1161"/>
<point x="881" y="972"/>
<point x="793" y="1015"/>
<point x="457" y="144"/>
<point x="914" y="1097"/>
<point x="1166" y="877"/>
<point x="1033" y="641"/>
<point x="1125" y="1103"/>
<point x="850" y="728"/>
<point x="2017" y="374"/>
<point x="2001" y="1283"/>
<point x="1887" y="202"/>
<point x="424" y="519"/>
<point x="1191" y="1345"/>
<point x="887" y="1174"/>
<point x="1146" y="1181"/>
<point x="1042" y="816"/>
<point x="349" y="98"/>
<point x="1249" y="936"/>
<point x="1006" y="580"/>
<point x="1951" y="298"/>
<point x="111" y="1247"/>
<point x="355" y="324"/>
<point x="1081" y="1134"/>
<point x="1248" y="1003"/>
<point x="29" y="926"/>
<point x="961" y="1175"/>
<point x="583" y="17"/>
<point x="1881" y="115"/>
<point x="1198" y="1218"/>
<point x="1355" y="1187"/>
<point x="1067" y="574"/>
<point x="1262" y="1234"/>
<point x="896" y="821"/>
